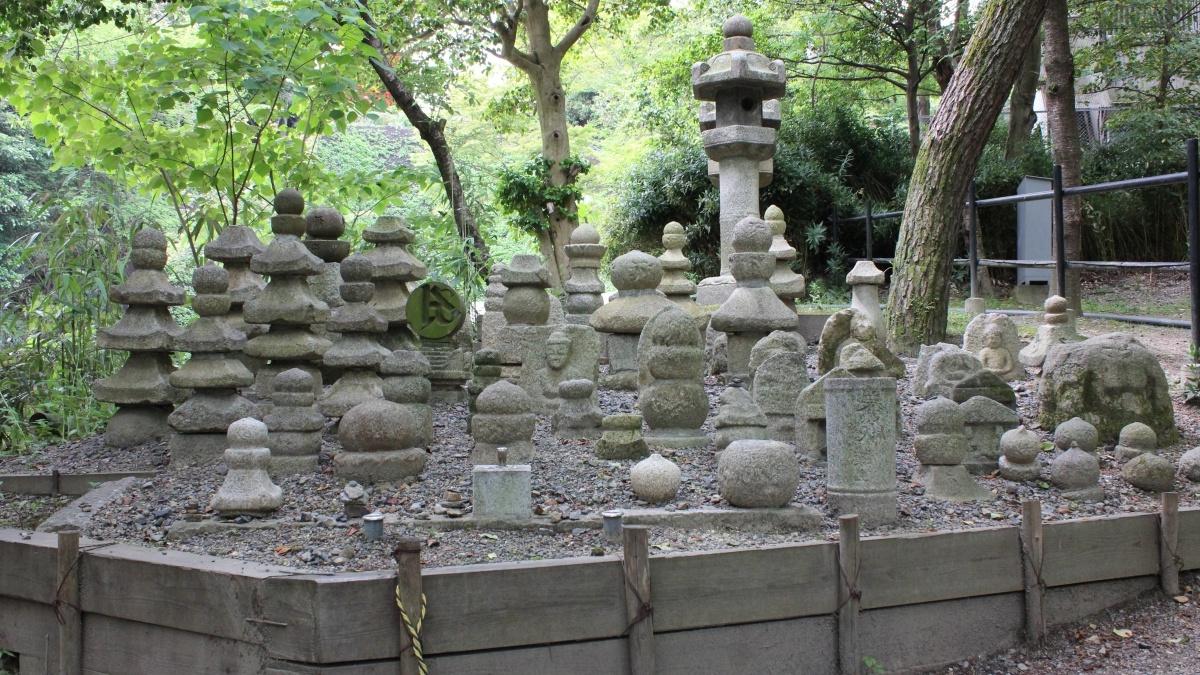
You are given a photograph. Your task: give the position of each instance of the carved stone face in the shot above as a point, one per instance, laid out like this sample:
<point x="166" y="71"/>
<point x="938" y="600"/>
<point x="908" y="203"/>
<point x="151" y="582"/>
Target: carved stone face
<point x="993" y="339"/>
<point x="557" y="354"/>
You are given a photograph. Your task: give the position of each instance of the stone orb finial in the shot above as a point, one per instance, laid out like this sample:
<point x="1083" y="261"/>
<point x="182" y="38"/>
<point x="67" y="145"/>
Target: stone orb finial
<point x="673" y="236"/>
<point x="737" y="26"/>
<point x="149" y="250"/>
<point x="774" y="218"/>
<point x="585" y="234"/>
<point x="1055" y="304"/>
<point x="940" y="415"/>
<point x="575" y="389"/>
<point x="247" y="433"/>
<point x="752" y="235"/>
<point x="290" y="201"/>
<point x="148" y="237"/>
<point x="324" y="222"/>
<point x="357" y="268"/>
<point x="503" y="398"/>
<point x="210" y="279"/>
<point x="636" y="271"/>
<point x="293" y="381"/>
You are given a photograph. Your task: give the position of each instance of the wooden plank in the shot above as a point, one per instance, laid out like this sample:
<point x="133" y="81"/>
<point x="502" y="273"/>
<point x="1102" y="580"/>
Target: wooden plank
<point x="28" y="664"/>
<point x="387" y="667"/>
<point x="68" y="483"/>
<point x="408" y="580"/>
<point x="1067" y="604"/>
<point x="1032" y="547"/>
<point x="639" y="616"/>
<point x="185" y="591"/>
<point x="120" y="646"/>
<point x="1096" y="549"/>
<point x="1189" y="538"/>
<point x="353" y="617"/>
<point x="29" y="628"/>
<point x="806" y="645"/>
<point x="1169" y="561"/>
<point x="914" y="568"/>
<point x="28" y="565"/>
<point x="70" y="625"/>
<point x="597" y="657"/>
<point x="27" y="484"/>
<point x="934" y="634"/>
<point x="849" y="566"/>
<point x="700" y="590"/>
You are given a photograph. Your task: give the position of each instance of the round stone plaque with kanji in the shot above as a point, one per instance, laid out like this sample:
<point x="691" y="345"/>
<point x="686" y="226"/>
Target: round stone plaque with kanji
<point x="435" y="311"/>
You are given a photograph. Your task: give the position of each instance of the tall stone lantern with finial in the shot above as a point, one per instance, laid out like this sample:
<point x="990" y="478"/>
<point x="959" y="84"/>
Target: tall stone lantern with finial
<point x="739" y="90"/>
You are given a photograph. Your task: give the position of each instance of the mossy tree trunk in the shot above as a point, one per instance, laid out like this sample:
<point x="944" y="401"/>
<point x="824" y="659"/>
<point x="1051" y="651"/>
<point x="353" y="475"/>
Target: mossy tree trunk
<point x="1021" y="116"/>
<point x="919" y="296"/>
<point x="1064" y="136"/>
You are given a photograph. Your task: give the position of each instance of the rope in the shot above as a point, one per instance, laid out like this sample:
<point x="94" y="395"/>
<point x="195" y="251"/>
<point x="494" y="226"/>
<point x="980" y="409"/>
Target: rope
<point x="645" y="609"/>
<point x="58" y="591"/>
<point x="852" y="590"/>
<point x="413" y="630"/>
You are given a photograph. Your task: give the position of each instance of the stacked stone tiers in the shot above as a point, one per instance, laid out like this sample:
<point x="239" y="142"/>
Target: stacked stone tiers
<point x="394" y="268"/>
<point x="234" y="248"/>
<point x="357" y="352"/>
<point x="584" y="290"/>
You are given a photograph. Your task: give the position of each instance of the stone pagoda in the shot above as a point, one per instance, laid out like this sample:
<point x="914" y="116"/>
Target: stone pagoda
<point x="636" y="276"/>
<point x="287" y="303"/>
<point x="357" y="352"/>
<point x="323" y="226"/>
<point x="395" y="267"/>
<point x="671" y="394"/>
<point x="584" y="290"/>
<point x="675" y="283"/>
<point x="526" y="308"/>
<point x="213" y="374"/>
<point x="737" y="134"/>
<point x="141" y="389"/>
<point x="752" y="310"/>
<point x="234" y="248"/>
<point x="788" y="285"/>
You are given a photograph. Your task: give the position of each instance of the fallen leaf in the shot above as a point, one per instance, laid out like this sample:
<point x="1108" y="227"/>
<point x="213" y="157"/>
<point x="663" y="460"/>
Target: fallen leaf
<point x="283" y="549"/>
<point x="661" y="547"/>
<point x="488" y="536"/>
<point x="1123" y="632"/>
<point x="491" y="556"/>
<point x="997" y="516"/>
<point x="1181" y="599"/>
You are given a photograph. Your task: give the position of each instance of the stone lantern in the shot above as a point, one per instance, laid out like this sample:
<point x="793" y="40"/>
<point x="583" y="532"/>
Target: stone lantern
<point x="739" y="89"/>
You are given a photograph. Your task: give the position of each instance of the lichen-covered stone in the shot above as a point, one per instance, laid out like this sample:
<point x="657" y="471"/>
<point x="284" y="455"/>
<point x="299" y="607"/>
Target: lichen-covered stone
<point x="864" y="280"/>
<point x="738" y="417"/>
<point x="636" y="276"/>
<point x="852" y="326"/>
<point x="672" y="398"/>
<point x="992" y="338"/>
<point x="584" y="290"/>
<point x="1056" y="329"/>
<point x="1189" y="465"/>
<point x="247" y="488"/>
<point x="654" y="479"/>
<point x="758" y="474"/>
<point x="504" y="417"/>
<point x="1077" y="473"/>
<point x="1020" y="459"/>
<point x="1136" y="439"/>
<point x="1076" y="431"/>
<point x="621" y="438"/>
<point x="356" y="352"/>
<point x="1150" y="472"/>
<point x="945" y="370"/>
<point x="577" y="416"/>
<point x="394" y="269"/>
<point x="985" y="422"/>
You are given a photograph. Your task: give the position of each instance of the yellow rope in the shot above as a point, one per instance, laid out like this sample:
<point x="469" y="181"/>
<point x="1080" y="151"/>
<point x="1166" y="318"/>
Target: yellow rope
<point x="414" y="632"/>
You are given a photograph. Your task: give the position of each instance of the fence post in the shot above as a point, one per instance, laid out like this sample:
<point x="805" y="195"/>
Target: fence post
<point x="1031" y="563"/>
<point x="639" y="613"/>
<point x="1168" y="544"/>
<point x="1193" y="220"/>
<point x="410" y="599"/>
<point x="849" y="562"/>
<point x="1059" y="226"/>
<point x="973" y="238"/>
<point x="870" y="233"/>
<point x="66" y="605"/>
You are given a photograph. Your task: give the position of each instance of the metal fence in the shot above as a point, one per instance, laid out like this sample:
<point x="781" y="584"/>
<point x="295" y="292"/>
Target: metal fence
<point x="1057" y="194"/>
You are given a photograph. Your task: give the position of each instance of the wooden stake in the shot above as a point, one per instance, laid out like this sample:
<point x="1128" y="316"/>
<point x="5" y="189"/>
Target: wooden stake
<point x="638" y="610"/>
<point x="849" y="560"/>
<point x="1031" y="558"/>
<point x="1168" y="544"/>
<point x="408" y="576"/>
<point x="70" y="620"/>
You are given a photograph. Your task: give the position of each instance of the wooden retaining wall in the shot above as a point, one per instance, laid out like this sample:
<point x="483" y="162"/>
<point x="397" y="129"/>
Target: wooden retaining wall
<point x="918" y="600"/>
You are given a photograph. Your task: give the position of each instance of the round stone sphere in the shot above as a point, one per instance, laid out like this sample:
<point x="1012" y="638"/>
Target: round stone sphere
<point x="503" y="398"/>
<point x="379" y="426"/>
<point x="622" y="422"/>
<point x="654" y="479"/>
<point x="585" y="234"/>
<point x="1138" y="436"/>
<point x="149" y="250"/>
<point x="758" y="474"/>
<point x="737" y="26"/>
<point x="357" y="268"/>
<point x="210" y="279"/>
<point x="635" y="271"/>
<point x="575" y="389"/>
<point x="1150" y="472"/>
<point x="939" y="416"/>
<point x="289" y="201"/>
<point x="324" y="222"/>
<point x="1078" y="431"/>
<point x="247" y="433"/>
<point x="752" y="235"/>
<point x="774" y="217"/>
<point x="1020" y="445"/>
<point x="1189" y="465"/>
<point x="526" y="305"/>
<point x="1075" y="469"/>
<point x="1055" y="304"/>
<point x="406" y="389"/>
<point x="673" y="236"/>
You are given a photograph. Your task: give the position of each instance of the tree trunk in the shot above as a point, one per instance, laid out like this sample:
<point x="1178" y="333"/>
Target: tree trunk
<point x="1021" y="116"/>
<point x="919" y="296"/>
<point x="913" y="110"/>
<point x="1064" y="134"/>
<point x="556" y="147"/>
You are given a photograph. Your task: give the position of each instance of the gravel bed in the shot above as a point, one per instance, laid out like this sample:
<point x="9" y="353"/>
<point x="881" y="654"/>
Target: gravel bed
<point x="87" y="456"/>
<point x="569" y="483"/>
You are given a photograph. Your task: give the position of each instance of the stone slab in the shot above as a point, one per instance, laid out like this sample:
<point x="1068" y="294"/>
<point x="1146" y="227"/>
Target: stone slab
<point x="77" y="514"/>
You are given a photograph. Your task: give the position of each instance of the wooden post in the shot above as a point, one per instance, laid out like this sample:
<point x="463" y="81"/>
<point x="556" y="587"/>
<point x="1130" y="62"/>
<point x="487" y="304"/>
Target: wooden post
<point x="70" y="620"/>
<point x="849" y="660"/>
<point x="1031" y="558"/>
<point x="1168" y="544"/>
<point x="638" y="611"/>
<point x="408" y="576"/>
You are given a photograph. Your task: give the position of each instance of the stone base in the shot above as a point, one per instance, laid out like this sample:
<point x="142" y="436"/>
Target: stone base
<point x="676" y="438"/>
<point x="1091" y="494"/>
<point x="501" y="493"/>
<point x="951" y="483"/>
<point x="519" y="452"/>
<point x="623" y="380"/>
<point x="622" y="450"/>
<point x="196" y="449"/>
<point x="873" y="508"/>
<point x="975" y="307"/>
<point x="136" y="424"/>
<point x="715" y="290"/>
<point x="391" y="465"/>
<point x="586" y="433"/>
<point x="1019" y="472"/>
<point x="288" y="465"/>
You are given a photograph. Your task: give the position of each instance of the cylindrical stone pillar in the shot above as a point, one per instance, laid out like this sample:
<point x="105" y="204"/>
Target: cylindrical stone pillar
<point x="739" y="199"/>
<point x="860" y="427"/>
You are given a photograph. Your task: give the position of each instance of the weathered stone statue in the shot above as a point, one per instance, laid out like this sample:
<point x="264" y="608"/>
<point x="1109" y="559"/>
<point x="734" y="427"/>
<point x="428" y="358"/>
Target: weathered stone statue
<point x="671" y="397"/>
<point x="945" y="370"/>
<point x="992" y="338"/>
<point x="675" y="283"/>
<point x="406" y="383"/>
<point x="758" y="474"/>
<point x="737" y="134"/>
<point x="636" y="276"/>
<point x="776" y="342"/>
<point x="985" y="422"/>
<point x="247" y="489"/>
<point x="778" y="381"/>
<point x="577" y="415"/>
<point x="234" y="248"/>
<point x="1136" y="439"/>
<point x="810" y="420"/>
<point x="621" y="437"/>
<point x="861" y="438"/>
<point x="356" y="352"/>
<point x="940" y="446"/>
<point x="141" y="388"/>
<point x="571" y="352"/>
<point x="323" y="226"/>
<point x="788" y="285"/>
<point x="213" y="374"/>
<point x="752" y="310"/>
<point x="485" y="372"/>
<point x="287" y="303"/>
<point x="864" y="280"/>
<point x="526" y="309"/>
<point x="394" y="269"/>
<point x="504" y="418"/>
<point x="493" y="321"/>
<point x="852" y="326"/>
<point x="1020" y="448"/>
<point x="1056" y="329"/>
<point x="294" y="423"/>
<point x="584" y="290"/>
<point x="738" y="417"/>
<point x="1077" y="474"/>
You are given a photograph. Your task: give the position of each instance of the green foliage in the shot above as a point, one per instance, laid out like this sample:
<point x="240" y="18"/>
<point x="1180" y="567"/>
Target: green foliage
<point x="1191" y="379"/>
<point x="24" y="169"/>
<point x="528" y="195"/>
